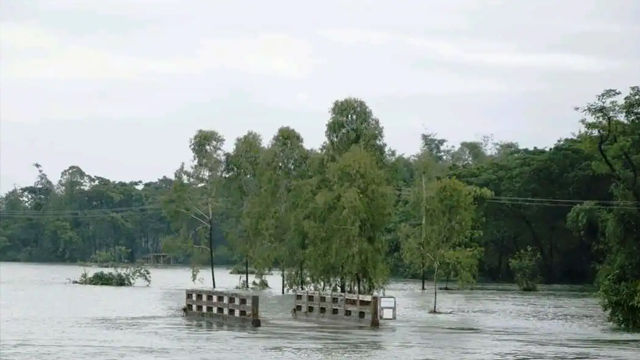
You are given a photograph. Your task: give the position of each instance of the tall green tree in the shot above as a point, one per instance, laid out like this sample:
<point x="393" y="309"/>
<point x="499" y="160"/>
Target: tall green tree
<point x="446" y="227"/>
<point x="244" y="171"/>
<point x="285" y="164"/>
<point x="358" y="205"/>
<point x="352" y="122"/>
<point x="195" y="200"/>
<point x="612" y="130"/>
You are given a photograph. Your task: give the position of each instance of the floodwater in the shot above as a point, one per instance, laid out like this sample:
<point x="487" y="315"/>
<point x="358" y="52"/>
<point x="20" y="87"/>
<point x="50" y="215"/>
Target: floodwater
<point x="44" y="317"/>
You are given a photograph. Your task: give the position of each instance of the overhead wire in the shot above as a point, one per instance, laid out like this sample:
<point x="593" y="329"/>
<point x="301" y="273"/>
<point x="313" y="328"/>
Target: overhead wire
<point x="155" y="209"/>
<point x="126" y="208"/>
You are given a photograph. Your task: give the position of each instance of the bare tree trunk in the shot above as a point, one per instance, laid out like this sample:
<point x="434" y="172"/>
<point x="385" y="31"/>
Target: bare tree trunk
<point x="246" y="272"/>
<point x="435" y="289"/>
<point x="213" y="275"/>
<point x="283" y="280"/>
<point x="424" y="225"/>
<point x="301" y="274"/>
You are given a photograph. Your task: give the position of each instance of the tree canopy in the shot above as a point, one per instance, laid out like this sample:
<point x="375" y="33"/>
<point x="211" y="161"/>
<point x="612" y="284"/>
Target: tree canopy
<point x="352" y="213"/>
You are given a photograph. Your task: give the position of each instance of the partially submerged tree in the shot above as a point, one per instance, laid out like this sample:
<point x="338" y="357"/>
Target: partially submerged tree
<point x="195" y="200"/>
<point x="357" y="205"/>
<point x="116" y="277"/>
<point x="285" y="166"/>
<point x="447" y="213"/>
<point x="413" y="232"/>
<point x="246" y="204"/>
<point x="612" y="131"/>
<point x="525" y="267"/>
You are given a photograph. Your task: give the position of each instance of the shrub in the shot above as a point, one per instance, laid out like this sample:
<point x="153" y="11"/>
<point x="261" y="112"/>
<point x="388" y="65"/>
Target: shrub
<point x="524" y="265"/>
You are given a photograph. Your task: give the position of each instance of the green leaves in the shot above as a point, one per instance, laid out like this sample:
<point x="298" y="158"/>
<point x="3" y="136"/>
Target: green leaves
<point x="356" y="208"/>
<point x="611" y="133"/>
<point x="194" y="202"/>
<point x="524" y="265"/>
<point x="441" y="229"/>
<point x="117" y="277"/>
<point x="352" y="122"/>
<point x="245" y="200"/>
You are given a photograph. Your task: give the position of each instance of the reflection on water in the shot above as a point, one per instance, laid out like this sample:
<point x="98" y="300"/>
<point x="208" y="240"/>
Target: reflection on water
<point x="43" y="317"/>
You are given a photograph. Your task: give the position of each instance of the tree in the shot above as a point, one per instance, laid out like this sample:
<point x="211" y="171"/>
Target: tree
<point x="413" y="232"/>
<point x="524" y="265"/>
<point x="352" y="122"/>
<point x="285" y="165"/>
<point x="307" y="226"/>
<point x="356" y="207"/>
<point x="195" y="200"/>
<point x="244" y="174"/>
<point x="612" y="130"/>
<point x="447" y="215"/>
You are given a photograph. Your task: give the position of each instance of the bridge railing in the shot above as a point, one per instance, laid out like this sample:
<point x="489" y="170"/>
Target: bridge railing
<point x="223" y="305"/>
<point x="363" y="309"/>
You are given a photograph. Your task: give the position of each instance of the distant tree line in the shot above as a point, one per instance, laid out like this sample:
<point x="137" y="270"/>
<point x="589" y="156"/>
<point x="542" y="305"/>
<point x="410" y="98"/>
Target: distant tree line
<point x="352" y="213"/>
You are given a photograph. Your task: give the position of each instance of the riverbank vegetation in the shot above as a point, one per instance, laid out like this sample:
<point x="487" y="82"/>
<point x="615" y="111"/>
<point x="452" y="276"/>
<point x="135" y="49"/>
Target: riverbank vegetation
<point x="351" y="213"/>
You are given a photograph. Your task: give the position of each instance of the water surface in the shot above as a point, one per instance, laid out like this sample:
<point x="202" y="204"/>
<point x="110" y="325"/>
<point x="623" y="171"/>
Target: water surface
<point x="44" y="317"/>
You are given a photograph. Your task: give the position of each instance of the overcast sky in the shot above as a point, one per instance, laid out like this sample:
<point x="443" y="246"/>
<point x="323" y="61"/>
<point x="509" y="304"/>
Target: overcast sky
<point x="118" y="87"/>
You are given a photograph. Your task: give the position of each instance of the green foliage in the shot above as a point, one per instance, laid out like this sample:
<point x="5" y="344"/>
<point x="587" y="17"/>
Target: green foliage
<point x="462" y="264"/>
<point x="240" y="269"/>
<point x="260" y="283"/>
<point x="193" y="204"/>
<point x="245" y="201"/>
<point x="111" y="256"/>
<point x="524" y="265"/>
<point x="117" y="277"/>
<point x="443" y="237"/>
<point x="611" y="130"/>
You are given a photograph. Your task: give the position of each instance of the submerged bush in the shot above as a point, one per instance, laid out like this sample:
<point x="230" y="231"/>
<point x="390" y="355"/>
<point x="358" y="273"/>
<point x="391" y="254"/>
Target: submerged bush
<point x="524" y="265"/>
<point x="240" y="270"/>
<point x="260" y="283"/>
<point x="116" y="277"/>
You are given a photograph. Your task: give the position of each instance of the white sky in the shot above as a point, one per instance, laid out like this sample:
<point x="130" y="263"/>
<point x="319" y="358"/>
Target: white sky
<point x="118" y="87"/>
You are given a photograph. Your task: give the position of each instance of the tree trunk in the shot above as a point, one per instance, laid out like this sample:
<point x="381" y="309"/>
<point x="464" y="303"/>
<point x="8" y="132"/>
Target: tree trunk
<point x="424" y="225"/>
<point x="213" y="275"/>
<point x="435" y="289"/>
<point x="301" y="275"/>
<point x="246" y="272"/>
<point x="283" y="279"/>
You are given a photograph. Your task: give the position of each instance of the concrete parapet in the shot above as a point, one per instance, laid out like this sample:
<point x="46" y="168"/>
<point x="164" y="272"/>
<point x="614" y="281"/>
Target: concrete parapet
<point x="361" y="309"/>
<point x="223" y="305"/>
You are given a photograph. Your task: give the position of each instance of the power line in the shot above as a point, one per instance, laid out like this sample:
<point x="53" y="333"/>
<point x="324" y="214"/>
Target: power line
<point x="509" y="198"/>
<point x="62" y="212"/>
<point x="558" y="202"/>
<point x="153" y="209"/>
<point x="77" y="215"/>
<point x="551" y="204"/>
